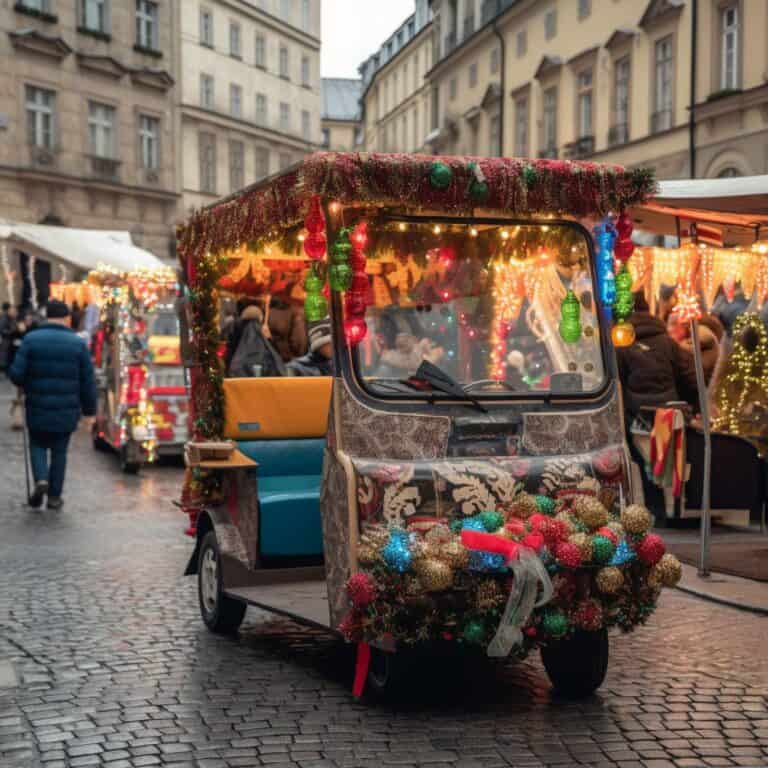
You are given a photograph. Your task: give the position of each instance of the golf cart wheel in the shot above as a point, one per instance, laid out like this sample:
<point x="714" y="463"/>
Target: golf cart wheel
<point x="127" y="466"/>
<point x="388" y="674"/>
<point x="221" y="614"/>
<point x="577" y="665"/>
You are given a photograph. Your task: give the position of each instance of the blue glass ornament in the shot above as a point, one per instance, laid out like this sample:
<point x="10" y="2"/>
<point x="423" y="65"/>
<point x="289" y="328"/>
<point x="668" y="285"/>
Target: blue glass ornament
<point x="623" y="554"/>
<point x="473" y="524"/>
<point x="397" y="556"/>
<point x="486" y="561"/>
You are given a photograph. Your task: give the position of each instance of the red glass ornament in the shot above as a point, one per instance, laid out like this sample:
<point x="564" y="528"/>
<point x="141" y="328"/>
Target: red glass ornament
<point x="315" y="246"/>
<point x="355" y="304"/>
<point x="357" y="261"/>
<point x="355" y="330"/>
<point x="360" y="236"/>
<point x="623" y="249"/>
<point x="326" y="291"/>
<point x="359" y="283"/>
<point x="315" y="221"/>
<point x="624" y="226"/>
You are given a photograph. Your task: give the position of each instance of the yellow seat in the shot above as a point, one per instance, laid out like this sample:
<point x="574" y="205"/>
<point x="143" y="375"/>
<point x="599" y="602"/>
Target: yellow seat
<point x="280" y="408"/>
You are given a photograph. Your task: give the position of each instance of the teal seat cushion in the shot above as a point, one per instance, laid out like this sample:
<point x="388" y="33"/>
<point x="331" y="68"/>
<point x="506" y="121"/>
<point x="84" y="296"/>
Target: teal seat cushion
<point x="288" y="475"/>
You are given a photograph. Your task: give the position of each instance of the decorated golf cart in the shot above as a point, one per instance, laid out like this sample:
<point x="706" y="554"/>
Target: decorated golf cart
<point x="462" y="480"/>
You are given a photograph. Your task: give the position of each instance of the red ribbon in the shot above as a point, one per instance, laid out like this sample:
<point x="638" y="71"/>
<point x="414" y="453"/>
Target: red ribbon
<point x="489" y="542"/>
<point x="361" y="668"/>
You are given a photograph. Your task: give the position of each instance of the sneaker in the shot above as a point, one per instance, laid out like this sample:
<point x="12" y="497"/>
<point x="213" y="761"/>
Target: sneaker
<point x="55" y="502"/>
<point x="36" y="499"/>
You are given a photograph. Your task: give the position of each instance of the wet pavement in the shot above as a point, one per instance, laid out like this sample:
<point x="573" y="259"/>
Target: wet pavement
<point x="105" y="662"/>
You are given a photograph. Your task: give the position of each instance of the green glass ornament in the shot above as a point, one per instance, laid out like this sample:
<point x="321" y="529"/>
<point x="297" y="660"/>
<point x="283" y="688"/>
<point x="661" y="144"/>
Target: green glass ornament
<point x="342" y="247"/>
<point x="602" y="549"/>
<point x="440" y="175"/>
<point x="339" y="276"/>
<point x="570" y="318"/>
<point x="554" y="623"/>
<point x="530" y="176"/>
<point x="315" y="307"/>
<point x="545" y="505"/>
<point x="313" y="283"/>
<point x="473" y="632"/>
<point x="492" y="521"/>
<point x="478" y="187"/>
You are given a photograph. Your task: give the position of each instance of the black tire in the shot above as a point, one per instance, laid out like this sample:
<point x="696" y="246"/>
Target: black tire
<point x="577" y="665"/>
<point x="99" y="443"/>
<point x="128" y="467"/>
<point x="221" y="614"/>
<point x="388" y="674"/>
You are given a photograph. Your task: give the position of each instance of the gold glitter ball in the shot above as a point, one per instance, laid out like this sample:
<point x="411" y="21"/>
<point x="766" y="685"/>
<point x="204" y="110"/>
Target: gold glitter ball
<point x="584" y="543"/>
<point x="590" y="511"/>
<point x="523" y="506"/>
<point x="367" y="554"/>
<point x="609" y="580"/>
<point x="667" y="572"/>
<point x="636" y="519"/>
<point x="567" y="518"/>
<point x="455" y="554"/>
<point x="488" y="596"/>
<point x="434" y="575"/>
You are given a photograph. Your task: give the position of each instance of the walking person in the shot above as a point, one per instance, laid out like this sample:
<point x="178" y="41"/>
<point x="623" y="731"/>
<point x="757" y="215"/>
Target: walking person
<point x="53" y="367"/>
<point x="7" y="324"/>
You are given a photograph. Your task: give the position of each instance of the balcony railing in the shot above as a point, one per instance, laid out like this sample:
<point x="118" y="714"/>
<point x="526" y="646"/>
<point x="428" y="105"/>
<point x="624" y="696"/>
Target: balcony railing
<point x="582" y="147"/>
<point x="661" y="121"/>
<point x="618" y="134"/>
<point x="548" y="153"/>
<point x="105" y="168"/>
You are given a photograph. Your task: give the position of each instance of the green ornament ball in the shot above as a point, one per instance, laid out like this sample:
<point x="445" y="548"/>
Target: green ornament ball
<point x="440" y="175"/>
<point x="340" y="276"/>
<point x="492" y="521"/>
<point x="456" y="525"/>
<point x="342" y="247"/>
<point x="315" y="307"/>
<point x="624" y="281"/>
<point x="554" y="623"/>
<point x="473" y="632"/>
<point x="602" y="549"/>
<point x="530" y="176"/>
<point x="313" y="283"/>
<point x="479" y="191"/>
<point x="545" y="505"/>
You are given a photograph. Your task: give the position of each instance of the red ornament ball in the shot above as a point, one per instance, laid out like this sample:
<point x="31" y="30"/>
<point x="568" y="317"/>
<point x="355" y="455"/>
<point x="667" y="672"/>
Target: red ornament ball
<point x="361" y="590"/>
<point x="359" y="283"/>
<point x="533" y="540"/>
<point x="609" y="533"/>
<point x="536" y="519"/>
<point x="315" y="246"/>
<point x="588" y="615"/>
<point x="355" y="304"/>
<point x="355" y="330"/>
<point x="568" y="555"/>
<point x="623" y="249"/>
<point x="554" y="531"/>
<point x="651" y="549"/>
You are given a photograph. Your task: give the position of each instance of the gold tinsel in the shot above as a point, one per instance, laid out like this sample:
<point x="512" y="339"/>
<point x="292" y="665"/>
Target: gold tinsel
<point x="636" y="519"/>
<point x="590" y="511"/>
<point x="609" y="580"/>
<point x="667" y="572"/>
<point x="523" y="506"/>
<point x="434" y="575"/>
<point x="584" y="543"/>
<point x="368" y="554"/>
<point x="617" y="528"/>
<point x="489" y="595"/>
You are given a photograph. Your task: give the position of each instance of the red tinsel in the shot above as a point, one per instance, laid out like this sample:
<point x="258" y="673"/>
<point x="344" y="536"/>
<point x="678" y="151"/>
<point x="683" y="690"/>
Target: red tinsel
<point x="651" y="549"/>
<point x="361" y="590"/>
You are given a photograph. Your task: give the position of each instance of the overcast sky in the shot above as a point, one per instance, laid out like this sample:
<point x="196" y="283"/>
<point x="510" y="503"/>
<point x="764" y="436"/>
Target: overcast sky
<point x="354" y="29"/>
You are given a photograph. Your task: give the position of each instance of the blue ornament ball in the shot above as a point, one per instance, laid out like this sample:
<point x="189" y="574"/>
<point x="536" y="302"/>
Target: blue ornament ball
<point x="397" y="556"/>
<point x="486" y="561"/>
<point x="473" y="524"/>
<point x="623" y="554"/>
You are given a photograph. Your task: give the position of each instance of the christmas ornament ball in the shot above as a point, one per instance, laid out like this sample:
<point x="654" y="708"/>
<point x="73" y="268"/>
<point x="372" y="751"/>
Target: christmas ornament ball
<point x="650" y="549"/>
<point x="492" y="521"/>
<point x="588" y="615"/>
<point x="361" y="589"/>
<point x="609" y="580"/>
<point x="524" y="505"/>
<point x="488" y="596"/>
<point x="568" y="554"/>
<point x="434" y="575"/>
<point x="439" y="534"/>
<point x="545" y="505"/>
<point x="455" y="554"/>
<point x="397" y="556"/>
<point x="623" y="334"/>
<point x="554" y="623"/>
<point x="473" y="632"/>
<point x="590" y="511"/>
<point x="609" y="533"/>
<point x="367" y="554"/>
<point x="636" y="519"/>
<point x="602" y="549"/>
<point x="566" y="517"/>
<point x="584" y="543"/>
<point x="668" y="570"/>
<point x="553" y="530"/>
<point x="440" y="175"/>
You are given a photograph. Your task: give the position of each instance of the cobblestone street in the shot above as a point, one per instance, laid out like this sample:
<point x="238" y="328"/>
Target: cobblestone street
<point x="105" y="661"/>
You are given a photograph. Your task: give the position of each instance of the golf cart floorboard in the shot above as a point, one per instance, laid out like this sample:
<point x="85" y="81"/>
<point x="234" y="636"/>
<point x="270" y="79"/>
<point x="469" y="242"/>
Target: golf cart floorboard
<point x="304" y="600"/>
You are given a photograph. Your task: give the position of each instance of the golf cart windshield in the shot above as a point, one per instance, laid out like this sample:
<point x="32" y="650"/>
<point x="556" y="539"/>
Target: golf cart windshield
<point x="501" y="309"/>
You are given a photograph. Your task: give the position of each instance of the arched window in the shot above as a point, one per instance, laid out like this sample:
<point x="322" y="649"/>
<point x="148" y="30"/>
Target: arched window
<point x="729" y="173"/>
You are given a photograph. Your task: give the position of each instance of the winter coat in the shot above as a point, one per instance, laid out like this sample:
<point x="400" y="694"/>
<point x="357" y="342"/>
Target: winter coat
<point x="54" y="368"/>
<point x="288" y="329"/>
<point x="255" y="350"/>
<point x="710" y="350"/>
<point x="655" y="369"/>
<point x="727" y="311"/>
<point x="311" y="364"/>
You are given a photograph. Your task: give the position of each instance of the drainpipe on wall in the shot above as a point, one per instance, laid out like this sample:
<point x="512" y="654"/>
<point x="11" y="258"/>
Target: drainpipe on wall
<point x="503" y="65"/>
<point x="692" y="110"/>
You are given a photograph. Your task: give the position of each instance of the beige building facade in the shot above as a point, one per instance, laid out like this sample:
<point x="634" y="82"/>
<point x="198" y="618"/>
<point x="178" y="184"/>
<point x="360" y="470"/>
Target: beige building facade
<point x="88" y="116"/>
<point x="341" y="129"/>
<point x="611" y="80"/>
<point x="250" y="92"/>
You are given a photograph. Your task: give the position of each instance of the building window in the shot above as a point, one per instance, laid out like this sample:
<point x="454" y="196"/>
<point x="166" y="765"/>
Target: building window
<point x="41" y="110"/>
<point x="495" y="134"/>
<point x="305" y="75"/>
<point x="452" y="86"/>
<point x="41" y="6"/>
<point x="661" y="119"/>
<point x="585" y="9"/>
<point x="521" y="43"/>
<point x="261" y="109"/>
<point x="729" y="173"/>
<point x="260" y="51"/>
<point x="620" y="128"/>
<point x="495" y="59"/>
<point x="206" y="27"/>
<point x="149" y="142"/>
<point x="286" y="9"/>
<point x="285" y="161"/>
<point x="146" y="25"/>
<point x="305" y="15"/>
<point x="326" y="137"/>
<point x="729" y="77"/>
<point x="95" y="15"/>
<point x="101" y="129"/>
<point x="235" y="100"/>
<point x="285" y="116"/>
<point x="473" y="75"/>
<point x="584" y="116"/>
<point x="262" y="162"/>
<point x="207" y="150"/>
<point x="550" y="24"/>
<point x="235" y="46"/>
<point x="521" y="126"/>
<point x="206" y="91"/>
<point x="306" y="125"/>
<point x="434" y="109"/>
<point x="236" y="165"/>
<point x="283" y="71"/>
<point x="549" y="122"/>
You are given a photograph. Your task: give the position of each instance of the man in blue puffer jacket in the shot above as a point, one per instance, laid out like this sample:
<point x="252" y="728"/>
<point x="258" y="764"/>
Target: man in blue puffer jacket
<point x="54" y="368"/>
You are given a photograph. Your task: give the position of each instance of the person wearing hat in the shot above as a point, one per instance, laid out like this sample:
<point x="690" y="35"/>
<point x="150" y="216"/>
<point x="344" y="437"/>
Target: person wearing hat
<point x="54" y="369"/>
<point x="319" y="360"/>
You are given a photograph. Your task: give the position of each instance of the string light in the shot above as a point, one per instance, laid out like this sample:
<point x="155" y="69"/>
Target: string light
<point x="473" y="231"/>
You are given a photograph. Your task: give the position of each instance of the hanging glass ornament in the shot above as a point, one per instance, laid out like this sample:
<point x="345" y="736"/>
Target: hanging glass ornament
<point x="624" y="302"/>
<point x="623" y="248"/>
<point x="570" y="318"/>
<point x="478" y="186"/>
<point x="356" y="291"/>
<point x="340" y="271"/>
<point x="314" y="223"/>
<point x="440" y="175"/>
<point x="315" y="304"/>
